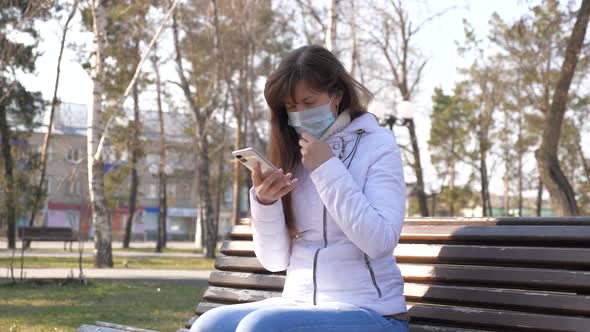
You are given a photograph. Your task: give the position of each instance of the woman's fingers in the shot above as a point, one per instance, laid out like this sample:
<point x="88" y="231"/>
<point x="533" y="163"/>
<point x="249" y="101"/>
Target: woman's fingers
<point x="269" y="180"/>
<point x="280" y="183"/>
<point x="285" y="190"/>
<point x="256" y="175"/>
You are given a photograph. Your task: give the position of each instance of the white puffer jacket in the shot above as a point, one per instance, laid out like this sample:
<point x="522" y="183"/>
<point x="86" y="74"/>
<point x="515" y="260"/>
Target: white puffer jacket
<point x="344" y="252"/>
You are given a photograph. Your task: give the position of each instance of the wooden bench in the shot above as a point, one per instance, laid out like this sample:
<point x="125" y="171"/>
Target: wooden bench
<point x="461" y="274"/>
<point x="57" y="234"/>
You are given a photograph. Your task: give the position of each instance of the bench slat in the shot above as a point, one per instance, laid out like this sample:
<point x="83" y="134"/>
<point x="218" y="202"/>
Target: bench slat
<point x="238" y="248"/>
<point x="497" y="319"/>
<point x="432" y="328"/>
<point x="243" y="264"/>
<point x="438" y="253"/>
<point x="247" y="280"/>
<point x="526" y="278"/>
<point x="203" y="307"/>
<point x="555" y="303"/>
<point x="550" y="235"/>
<point x="522" y="256"/>
<point x="415" y="292"/>
<point x="232" y="295"/>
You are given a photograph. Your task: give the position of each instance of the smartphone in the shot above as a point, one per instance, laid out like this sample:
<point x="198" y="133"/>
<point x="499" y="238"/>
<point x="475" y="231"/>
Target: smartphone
<point x="249" y="157"/>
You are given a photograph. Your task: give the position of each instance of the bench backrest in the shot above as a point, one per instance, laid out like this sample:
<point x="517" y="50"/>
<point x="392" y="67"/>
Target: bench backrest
<point x="498" y="274"/>
<point x="45" y="232"/>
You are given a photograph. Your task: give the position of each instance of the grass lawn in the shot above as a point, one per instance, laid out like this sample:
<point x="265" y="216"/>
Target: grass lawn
<point x="170" y="263"/>
<point x="37" y="308"/>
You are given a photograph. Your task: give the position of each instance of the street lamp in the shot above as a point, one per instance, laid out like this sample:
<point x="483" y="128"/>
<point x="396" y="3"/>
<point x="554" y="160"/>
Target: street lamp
<point x="405" y="117"/>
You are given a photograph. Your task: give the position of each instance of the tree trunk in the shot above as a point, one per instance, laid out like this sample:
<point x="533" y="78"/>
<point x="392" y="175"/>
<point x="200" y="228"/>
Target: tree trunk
<point x="332" y="24"/>
<point x="206" y="204"/>
<point x="9" y="202"/>
<point x="418" y="169"/>
<point x="584" y="161"/>
<point x="134" y="159"/>
<point x="484" y="183"/>
<point x="562" y="194"/>
<point x="539" y="197"/>
<point x="451" y="188"/>
<point x="162" y="206"/>
<point x="506" y="148"/>
<point x="520" y="152"/>
<point x="237" y="169"/>
<point x="100" y="214"/>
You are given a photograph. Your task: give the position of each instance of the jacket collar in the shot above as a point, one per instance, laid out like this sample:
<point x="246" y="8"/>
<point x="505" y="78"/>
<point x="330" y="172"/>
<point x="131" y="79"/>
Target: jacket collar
<point x="344" y="127"/>
<point x="341" y="122"/>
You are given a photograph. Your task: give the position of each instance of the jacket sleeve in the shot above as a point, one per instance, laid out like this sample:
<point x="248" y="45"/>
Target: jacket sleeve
<point x="371" y="217"/>
<point x="269" y="231"/>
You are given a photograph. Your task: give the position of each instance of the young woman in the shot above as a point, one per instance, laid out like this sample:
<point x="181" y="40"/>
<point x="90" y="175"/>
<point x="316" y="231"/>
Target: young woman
<point x="334" y="228"/>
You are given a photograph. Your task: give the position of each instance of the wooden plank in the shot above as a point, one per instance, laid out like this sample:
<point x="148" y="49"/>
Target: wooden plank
<point x="502" y="320"/>
<point x="232" y="295"/>
<point x="247" y="280"/>
<point x="122" y="327"/>
<point x="525" y="278"/>
<point x="459" y="231"/>
<point x="552" y="303"/>
<point x="92" y="328"/>
<point x="569" y="220"/>
<point x="203" y="307"/>
<point x="241" y="232"/>
<point x="415" y="292"/>
<point x="550" y="235"/>
<point x="245" y="231"/>
<point x="481" y="254"/>
<point x="241" y="264"/>
<point x="238" y="248"/>
<point x="522" y="256"/>
<point x="433" y="328"/>
<point x="190" y="322"/>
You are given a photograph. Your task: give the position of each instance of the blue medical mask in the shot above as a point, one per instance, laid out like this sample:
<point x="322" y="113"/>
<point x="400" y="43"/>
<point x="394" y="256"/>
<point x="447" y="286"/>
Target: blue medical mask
<point x="313" y="120"/>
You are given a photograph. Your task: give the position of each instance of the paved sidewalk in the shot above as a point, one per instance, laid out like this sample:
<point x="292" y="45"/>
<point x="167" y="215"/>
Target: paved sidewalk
<point x="197" y="277"/>
<point x="88" y="252"/>
<point x="115" y="244"/>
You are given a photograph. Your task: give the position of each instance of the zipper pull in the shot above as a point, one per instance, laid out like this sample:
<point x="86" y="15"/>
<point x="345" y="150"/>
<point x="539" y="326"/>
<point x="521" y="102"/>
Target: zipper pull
<point x="342" y="149"/>
<point x="359" y="131"/>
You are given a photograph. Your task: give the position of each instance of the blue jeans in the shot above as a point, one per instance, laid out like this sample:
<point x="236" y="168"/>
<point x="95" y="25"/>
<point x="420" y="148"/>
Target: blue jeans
<point x="278" y="315"/>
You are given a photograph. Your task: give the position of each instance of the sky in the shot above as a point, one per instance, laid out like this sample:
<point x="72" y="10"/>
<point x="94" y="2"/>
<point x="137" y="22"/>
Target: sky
<point x="436" y="40"/>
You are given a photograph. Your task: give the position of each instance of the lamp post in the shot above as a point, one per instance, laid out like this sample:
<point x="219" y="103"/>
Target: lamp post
<point x="405" y="117"/>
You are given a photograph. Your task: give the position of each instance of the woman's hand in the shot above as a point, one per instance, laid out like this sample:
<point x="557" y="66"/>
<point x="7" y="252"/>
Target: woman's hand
<point x="314" y="151"/>
<point x="269" y="187"/>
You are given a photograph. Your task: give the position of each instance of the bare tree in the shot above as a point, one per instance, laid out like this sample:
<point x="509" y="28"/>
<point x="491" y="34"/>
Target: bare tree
<point x="54" y="103"/>
<point x="202" y="108"/>
<point x="562" y="194"/>
<point x="163" y="208"/>
<point x="406" y="66"/>
<point x="100" y="215"/>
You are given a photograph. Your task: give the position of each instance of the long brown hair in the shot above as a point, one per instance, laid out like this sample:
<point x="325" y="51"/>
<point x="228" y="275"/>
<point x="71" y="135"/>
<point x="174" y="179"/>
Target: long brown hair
<point x="322" y="72"/>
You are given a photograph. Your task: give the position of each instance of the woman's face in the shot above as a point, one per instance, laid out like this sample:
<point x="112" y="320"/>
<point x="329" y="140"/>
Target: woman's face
<point x="306" y="98"/>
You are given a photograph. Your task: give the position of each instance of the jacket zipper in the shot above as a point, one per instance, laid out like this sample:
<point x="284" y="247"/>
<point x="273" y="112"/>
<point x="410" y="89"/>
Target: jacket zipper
<point x="372" y="275"/>
<point x="359" y="132"/>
